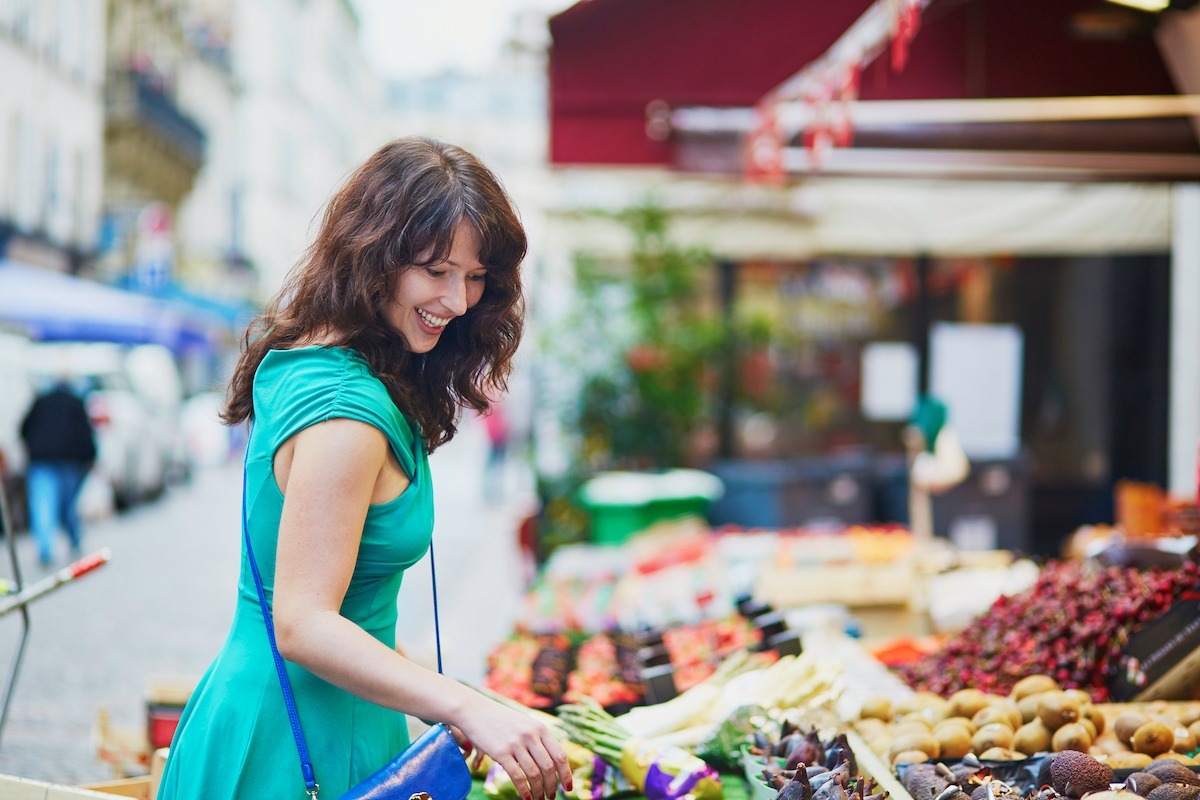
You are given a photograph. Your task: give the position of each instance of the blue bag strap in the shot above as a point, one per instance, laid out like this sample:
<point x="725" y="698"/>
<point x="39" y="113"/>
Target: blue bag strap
<point x="285" y="684"/>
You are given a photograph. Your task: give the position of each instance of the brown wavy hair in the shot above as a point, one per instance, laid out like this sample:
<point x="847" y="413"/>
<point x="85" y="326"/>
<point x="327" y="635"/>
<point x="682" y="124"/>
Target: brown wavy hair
<point x="399" y="211"/>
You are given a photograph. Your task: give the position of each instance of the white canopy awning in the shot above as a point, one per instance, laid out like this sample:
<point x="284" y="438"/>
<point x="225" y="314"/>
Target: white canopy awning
<point x="869" y="217"/>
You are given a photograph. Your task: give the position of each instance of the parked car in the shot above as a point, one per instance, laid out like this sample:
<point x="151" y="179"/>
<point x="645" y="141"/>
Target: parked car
<point x="134" y="397"/>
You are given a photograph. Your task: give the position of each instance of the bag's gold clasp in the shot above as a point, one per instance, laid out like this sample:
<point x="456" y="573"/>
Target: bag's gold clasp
<point x="312" y="793"/>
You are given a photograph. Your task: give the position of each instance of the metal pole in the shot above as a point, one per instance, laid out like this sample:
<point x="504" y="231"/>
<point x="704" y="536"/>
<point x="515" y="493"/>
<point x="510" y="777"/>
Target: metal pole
<point x="15" y="667"/>
<point x="727" y="287"/>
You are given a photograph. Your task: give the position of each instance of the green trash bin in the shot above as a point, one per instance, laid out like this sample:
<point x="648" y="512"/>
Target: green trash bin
<point x="621" y="504"/>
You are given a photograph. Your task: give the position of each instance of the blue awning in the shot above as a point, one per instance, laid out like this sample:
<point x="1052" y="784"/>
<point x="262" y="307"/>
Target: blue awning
<point x="50" y="305"/>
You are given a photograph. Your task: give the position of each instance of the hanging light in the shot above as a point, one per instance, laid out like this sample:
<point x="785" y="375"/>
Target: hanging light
<point x="1144" y="5"/>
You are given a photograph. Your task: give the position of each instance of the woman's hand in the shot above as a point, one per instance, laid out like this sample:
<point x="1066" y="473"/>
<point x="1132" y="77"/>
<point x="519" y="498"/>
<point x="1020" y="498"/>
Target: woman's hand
<point x="523" y="747"/>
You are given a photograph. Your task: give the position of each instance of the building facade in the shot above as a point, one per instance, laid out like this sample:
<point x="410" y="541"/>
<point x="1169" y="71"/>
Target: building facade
<point x="51" y="130"/>
<point x="306" y="112"/>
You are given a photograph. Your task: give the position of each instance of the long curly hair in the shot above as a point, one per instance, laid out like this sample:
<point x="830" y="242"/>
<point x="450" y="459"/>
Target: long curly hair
<point x="396" y="212"/>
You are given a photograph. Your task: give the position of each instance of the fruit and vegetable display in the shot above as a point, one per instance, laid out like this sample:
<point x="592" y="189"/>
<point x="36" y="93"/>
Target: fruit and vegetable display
<point x="804" y="766"/>
<point x="1068" y="775"/>
<point x="674" y="749"/>
<point x="1036" y="717"/>
<point x="1072" y="625"/>
<point x="544" y="671"/>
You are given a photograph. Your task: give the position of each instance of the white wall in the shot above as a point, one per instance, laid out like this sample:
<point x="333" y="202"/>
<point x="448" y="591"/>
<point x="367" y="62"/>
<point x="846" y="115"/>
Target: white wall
<point x="51" y="118"/>
<point x="206" y="225"/>
<point x="306" y="115"/>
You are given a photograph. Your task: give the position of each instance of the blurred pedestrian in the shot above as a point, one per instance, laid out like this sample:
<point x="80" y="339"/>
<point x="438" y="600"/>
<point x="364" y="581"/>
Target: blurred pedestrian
<point x="936" y="461"/>
<point x="61" y="446"/>
<point x="495" y="427"/>
<point x="405" y="311"/>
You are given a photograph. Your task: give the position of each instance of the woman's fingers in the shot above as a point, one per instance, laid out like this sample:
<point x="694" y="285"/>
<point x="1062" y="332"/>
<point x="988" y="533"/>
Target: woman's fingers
<point x="560" y="766"/>
<point x="525" y="775"/>
<point x="464" y="743"/>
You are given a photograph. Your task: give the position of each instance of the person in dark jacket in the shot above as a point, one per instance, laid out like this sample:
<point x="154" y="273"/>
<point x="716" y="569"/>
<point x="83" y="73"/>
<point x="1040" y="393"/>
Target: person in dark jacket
<point x="61" y="445"/>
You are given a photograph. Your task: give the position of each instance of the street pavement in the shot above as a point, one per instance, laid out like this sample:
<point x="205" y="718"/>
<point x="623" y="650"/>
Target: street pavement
<point x="161" y="607"/>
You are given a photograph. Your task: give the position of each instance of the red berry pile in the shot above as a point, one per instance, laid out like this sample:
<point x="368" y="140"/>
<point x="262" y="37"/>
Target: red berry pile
<point x="1072" y="624"/>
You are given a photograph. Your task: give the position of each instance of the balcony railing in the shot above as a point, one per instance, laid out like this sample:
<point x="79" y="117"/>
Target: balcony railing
<point x="131" y="97"/>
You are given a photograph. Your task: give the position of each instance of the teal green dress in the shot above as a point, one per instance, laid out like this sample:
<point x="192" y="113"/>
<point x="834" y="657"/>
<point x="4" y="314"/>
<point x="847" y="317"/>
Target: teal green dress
<point x="234" y="739"/>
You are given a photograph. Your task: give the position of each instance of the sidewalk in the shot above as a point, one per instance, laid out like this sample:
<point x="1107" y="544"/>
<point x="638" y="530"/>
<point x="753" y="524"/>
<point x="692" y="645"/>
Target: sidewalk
<point x="162" y="606"/>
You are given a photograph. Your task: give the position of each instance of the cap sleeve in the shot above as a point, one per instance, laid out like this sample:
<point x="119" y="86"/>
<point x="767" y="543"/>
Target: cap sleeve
<point x="296" y="389"/>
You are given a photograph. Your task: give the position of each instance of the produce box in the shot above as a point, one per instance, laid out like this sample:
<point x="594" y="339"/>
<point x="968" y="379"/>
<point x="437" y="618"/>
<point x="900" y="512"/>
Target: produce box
<point x="14" y="788"/>
<point x="1162" y="659"/>
<point x="621" y="504"/>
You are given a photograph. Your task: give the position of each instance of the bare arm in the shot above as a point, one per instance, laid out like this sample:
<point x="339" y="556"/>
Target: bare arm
<point x="333" y="472"/>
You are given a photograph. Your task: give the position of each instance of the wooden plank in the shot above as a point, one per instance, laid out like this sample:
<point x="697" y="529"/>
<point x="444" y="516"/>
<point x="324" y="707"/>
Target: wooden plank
<point x="873" y="766"/>
<point x="124" y="787"/>
<point x="1180" y="681"/>
<point x="15" y="788"/>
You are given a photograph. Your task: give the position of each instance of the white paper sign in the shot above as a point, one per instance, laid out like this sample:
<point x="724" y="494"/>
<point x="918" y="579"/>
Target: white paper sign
<point x="976" y="371"/>
<point x="889" y="380"/>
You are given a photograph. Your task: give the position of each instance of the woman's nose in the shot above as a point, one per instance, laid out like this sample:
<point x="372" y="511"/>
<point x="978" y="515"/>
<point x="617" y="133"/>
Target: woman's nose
<point x="455" y="297"/>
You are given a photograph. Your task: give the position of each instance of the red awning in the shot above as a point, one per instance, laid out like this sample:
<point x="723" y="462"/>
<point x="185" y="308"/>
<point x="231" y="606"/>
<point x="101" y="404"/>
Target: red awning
<point x="611" y="58"/>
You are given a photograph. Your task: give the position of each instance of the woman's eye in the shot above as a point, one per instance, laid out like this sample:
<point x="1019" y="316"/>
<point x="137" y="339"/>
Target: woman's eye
<point x="434" y="273"/>
<point x="479" y="278"/>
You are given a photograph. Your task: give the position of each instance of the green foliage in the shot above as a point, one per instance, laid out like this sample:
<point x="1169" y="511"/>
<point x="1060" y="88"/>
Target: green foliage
<point x="641" y="409"/>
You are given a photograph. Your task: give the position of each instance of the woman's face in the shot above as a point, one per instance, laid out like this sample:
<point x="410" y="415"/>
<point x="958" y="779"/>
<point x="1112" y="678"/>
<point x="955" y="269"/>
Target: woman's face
<point x="427" y="298"/>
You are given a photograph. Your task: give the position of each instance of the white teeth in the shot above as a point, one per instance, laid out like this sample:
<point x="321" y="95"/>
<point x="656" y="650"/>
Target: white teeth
<point x="432" y="321"/>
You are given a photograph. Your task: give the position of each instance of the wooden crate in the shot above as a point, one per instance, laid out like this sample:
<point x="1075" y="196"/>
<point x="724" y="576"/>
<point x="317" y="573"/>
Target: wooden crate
<point x="852" y="584"/>
<point x="14" y="788"/>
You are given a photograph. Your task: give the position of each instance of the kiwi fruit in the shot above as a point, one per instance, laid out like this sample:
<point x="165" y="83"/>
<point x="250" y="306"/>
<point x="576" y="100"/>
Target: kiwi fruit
<point x="992" y="713"/>
<point x="955" y="722"/>
<point x="1126" y="723"/>
<point x="1071" y="736"/>
<point x="1182" y="758"/>
<point x="1032" y="684"/>
<point x="1015" y="720"/>
<point x="926" y="716"/>
<point x="953" y="740"/>
<point x="1079" y="694"/>
<point x="1129" y="760"/>
<point x="870" y="727"/>
<point x="933" y="706"/>
<point x="1028" y="707"/>
<point x="1185" y="740"/>
<point x="881" y="743"/>
<point x="909" y="757"/>
<point x="1057" y="709"/>
<point x="915" y="718"/>
<point x="1189" y="715"/>
<point x="994" y="734"/>
<point x="1153" y="739"/>
<point x="1090" y="711"/>
<point x="1091" y="726"/>
<point x="907" y="741"/>
<point x="1031" y="738"/>
<point x="876" y="708"/>
<point x="1001" y="754"/>
<point x="967" y="702"/>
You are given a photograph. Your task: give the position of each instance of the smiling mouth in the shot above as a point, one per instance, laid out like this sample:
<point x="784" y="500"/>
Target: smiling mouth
<point x="431" y="320"/>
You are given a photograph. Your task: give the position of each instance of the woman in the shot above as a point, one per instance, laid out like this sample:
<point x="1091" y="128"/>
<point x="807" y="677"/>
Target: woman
<point x="405" y="309"/>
